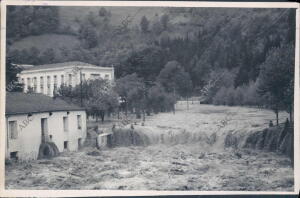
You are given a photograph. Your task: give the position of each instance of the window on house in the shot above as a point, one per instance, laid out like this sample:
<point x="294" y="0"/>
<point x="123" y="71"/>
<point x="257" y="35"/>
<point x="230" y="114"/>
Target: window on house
<point x="106" y="76"/>
<point x="65" y="144"/>
<point x="66" y="124"/>
<point x="70" y="79"/>
<point x="44" y="128"/>
<point x="55" y="83"/>
<point x="48" y="80"/>
<point x="79" y="122"/>
<point x="35" y="84"/>
<point x="14" y="155"/>
<point x="79" y="143"/>
<point x="41" y="84"/>
<point x="41" y="80"/>
<point x="62" y="79"/>
<point x="13" y="129"/>
<point x="28" y="83"/>
<point x="95" y="76"/>
<point x="48" y="85"/>
<point x="55" y="79"/>
<point x="83" y="77"/>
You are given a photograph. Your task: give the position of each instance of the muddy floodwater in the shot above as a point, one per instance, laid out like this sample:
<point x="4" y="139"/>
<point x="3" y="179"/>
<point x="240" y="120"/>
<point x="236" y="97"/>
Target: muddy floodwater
<point x="185" y="151"/>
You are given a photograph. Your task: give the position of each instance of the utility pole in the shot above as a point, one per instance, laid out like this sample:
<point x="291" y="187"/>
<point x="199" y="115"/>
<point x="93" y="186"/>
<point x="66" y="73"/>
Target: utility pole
<point x="187" y="103"/>
<point x="174" y="94"/>
<point x="75" y="73"/>
<point x="144" y="104"/>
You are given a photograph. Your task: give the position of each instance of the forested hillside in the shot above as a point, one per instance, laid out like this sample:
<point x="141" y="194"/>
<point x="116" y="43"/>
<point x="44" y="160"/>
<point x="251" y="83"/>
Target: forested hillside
<point x="222" y="50"/>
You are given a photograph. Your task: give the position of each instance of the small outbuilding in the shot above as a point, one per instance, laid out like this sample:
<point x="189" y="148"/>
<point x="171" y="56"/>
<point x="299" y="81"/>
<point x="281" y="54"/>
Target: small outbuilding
<point x="34" y="119"/>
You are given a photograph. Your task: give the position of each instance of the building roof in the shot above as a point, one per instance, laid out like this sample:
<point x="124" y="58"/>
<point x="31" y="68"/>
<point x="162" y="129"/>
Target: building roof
<point x="23" y="103"/>
<point x="58" y="65"/>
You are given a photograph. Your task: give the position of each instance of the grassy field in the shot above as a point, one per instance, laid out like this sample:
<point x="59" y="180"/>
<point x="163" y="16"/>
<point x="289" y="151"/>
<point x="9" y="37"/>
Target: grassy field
<point x="68" y="14"/>
<point x="184" y="164"/>
<point x="46" y="41"/>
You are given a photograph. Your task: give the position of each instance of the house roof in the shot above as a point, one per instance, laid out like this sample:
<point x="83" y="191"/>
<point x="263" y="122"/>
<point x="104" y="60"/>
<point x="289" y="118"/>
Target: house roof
<point x="23" y="103"/>
<point x="58" y="65"/>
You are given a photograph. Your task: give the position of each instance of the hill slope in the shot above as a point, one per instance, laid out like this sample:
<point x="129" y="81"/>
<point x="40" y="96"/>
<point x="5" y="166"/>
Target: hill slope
<point x="46" y="41"/>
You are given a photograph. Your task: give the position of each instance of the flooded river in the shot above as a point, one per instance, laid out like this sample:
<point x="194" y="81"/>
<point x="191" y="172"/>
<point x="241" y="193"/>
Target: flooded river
<point x="181" y="151"/>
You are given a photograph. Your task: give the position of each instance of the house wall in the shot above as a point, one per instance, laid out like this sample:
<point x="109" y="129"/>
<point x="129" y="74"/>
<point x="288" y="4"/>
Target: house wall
<point x="29" y="133"/>
<point x="88" y="71"/>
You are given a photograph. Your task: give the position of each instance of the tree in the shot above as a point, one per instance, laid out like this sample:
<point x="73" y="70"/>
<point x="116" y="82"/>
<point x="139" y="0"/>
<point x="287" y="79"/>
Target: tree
<point x="102" y="99"/>
<point x="217" y="78"/>
<point x="31" y="20"/>
<point x="185" y="87"/>
<point x="99" y="98"/>
<point x="103" y="12"/>
<point x="220" y="97"/>
<point x="12" y="83"/>
<point x="88" y="35"/>
<point x="200" y="69"/>
<point x="66" y="92"/>
<point x="165" y="21"/>
<point x="158" y="100"/>
<point x="91" y="19"/>
<point x="144" y="24"/>
<point x="174" y="79"/>
<point x="157" y="27"/>
<point x="146" y="63"/>
<point x="276" y="79"/>
<point x="131" y="89"/>
<point x="251" y="97"/>
<point x="15" y="56"/>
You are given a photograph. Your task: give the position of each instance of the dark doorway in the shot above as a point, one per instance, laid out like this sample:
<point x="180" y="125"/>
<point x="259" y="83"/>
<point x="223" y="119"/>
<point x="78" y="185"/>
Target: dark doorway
<point x="79" y="143"/>
<point x="14" y="155"/>
<point x="66" y="145"/>
<point x="44" y="128"/>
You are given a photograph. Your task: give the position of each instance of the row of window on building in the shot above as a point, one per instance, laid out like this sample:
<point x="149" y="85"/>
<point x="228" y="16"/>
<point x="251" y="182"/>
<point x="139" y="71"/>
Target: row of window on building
<point x="32" y="82"/>
<point x="13" y="126"/>
<point x="35" y="84"/>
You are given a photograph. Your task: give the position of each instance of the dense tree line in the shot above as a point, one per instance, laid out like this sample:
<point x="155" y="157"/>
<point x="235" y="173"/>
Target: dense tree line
<point x="31" y="20"/>
<point x="273" y="88"/>
<point x="226" y="56"/>
<point x="207" y="40"/>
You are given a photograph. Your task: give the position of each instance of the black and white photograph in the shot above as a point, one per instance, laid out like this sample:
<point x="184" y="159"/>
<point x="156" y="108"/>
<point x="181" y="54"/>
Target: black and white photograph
<point x="152" y="98"/>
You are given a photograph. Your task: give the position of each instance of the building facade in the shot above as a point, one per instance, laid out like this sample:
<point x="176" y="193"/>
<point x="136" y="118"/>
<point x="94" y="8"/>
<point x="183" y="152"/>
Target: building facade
<point x="47" y="79"/>
<point x="32" y="119"/>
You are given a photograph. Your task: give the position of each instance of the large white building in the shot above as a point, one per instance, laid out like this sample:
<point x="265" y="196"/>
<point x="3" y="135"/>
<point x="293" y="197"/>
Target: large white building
<point x="33" y="119"/>
<point x="48" y="78"/>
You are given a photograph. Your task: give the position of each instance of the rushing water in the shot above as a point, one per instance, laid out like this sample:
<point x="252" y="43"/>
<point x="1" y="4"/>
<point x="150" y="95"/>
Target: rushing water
<point x="211" y="126"/>
<point x="203" y="148"/>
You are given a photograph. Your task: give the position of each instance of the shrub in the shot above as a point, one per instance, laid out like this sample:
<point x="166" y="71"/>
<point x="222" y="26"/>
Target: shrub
<point x="242" y="95"/>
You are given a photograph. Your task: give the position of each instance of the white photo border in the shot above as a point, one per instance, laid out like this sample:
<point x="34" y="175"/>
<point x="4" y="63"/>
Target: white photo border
<point x="82" y="193"/>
